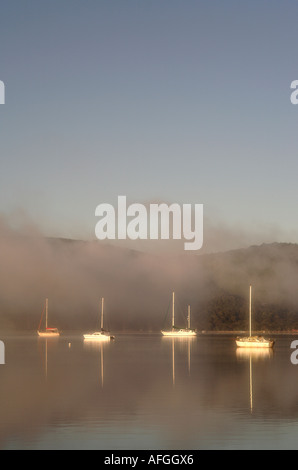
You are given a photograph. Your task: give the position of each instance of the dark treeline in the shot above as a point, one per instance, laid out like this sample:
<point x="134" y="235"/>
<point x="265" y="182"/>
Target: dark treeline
<point x="227" y="312"/>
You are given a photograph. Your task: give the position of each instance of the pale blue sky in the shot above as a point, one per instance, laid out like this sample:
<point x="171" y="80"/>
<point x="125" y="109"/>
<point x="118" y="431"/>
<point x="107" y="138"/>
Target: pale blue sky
<point x="184" y="101"/>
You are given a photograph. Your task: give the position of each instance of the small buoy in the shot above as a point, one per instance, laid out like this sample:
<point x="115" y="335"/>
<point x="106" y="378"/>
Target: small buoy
<point x="69" y="345"/>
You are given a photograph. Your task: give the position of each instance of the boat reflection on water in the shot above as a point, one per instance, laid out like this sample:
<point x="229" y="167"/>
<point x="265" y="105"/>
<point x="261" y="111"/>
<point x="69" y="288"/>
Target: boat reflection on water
<point x="98" y="347"/>
<point x="44" y="346"/>
<point x="183" y="344"/>
<point x="253" y="355"/>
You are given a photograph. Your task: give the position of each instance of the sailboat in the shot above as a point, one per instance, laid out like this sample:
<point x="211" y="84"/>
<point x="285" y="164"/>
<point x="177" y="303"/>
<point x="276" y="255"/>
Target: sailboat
<point x="175" y="331"/>
<point x="48" y="332"/>
<point x="101" y="335"/>
<point x="253" y="341"/>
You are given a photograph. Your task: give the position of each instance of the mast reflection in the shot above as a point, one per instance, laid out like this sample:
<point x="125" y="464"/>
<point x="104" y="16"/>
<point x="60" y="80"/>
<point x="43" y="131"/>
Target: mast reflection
<point x="98" y="347"/>
<point x="253" y="355"/>
<point x="182" y="344"/>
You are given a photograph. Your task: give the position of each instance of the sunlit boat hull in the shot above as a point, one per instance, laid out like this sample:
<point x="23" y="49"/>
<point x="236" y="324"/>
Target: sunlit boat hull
<point x="254" y="342"/>
<point x="97" y="337"/>
<point x="45" y="334"/>
<point x="180" y="333"/>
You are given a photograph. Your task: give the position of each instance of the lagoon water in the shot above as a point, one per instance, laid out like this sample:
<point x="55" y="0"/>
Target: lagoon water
<point x="146" y="392"/>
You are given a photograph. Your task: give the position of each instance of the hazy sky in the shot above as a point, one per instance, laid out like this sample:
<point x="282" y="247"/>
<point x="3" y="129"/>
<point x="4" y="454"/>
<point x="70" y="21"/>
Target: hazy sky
<point x="183" y="101"/>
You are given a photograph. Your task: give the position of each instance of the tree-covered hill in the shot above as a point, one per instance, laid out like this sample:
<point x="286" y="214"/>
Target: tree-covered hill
<point x="137" y="286"/>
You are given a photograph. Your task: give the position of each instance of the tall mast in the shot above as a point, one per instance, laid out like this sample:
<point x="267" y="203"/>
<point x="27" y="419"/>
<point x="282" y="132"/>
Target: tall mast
<point x="102" y="302"/>
<point x="249" y="310"/>
<point x="47" y="302"/>
<point x="188" y="318"/>
<point x="173" y="310"/>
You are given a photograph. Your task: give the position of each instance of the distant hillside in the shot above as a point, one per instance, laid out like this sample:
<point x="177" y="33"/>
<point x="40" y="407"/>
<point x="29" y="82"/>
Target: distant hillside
<point x="137" y="286"/>
<point x="271" y="269"/>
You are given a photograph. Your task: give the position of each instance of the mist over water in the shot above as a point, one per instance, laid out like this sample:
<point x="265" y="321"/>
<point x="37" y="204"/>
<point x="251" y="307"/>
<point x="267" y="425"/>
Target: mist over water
<point x="136" y="285"/>
<point x="74" y="276"/>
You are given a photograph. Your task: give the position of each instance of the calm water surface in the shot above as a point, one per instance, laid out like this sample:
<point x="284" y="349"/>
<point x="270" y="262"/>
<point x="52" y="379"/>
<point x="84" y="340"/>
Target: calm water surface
<point x="146" y="392"/>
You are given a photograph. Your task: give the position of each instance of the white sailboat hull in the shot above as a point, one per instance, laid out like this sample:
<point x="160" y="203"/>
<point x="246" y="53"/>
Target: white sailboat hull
<point x="45" y="334"/>
<point x="97" y="337"/>
<point x="254" y="342"/>
<point x="179" y="333"/>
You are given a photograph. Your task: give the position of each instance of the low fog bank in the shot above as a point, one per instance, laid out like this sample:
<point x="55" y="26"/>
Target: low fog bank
<point x="74" y="275"/>
<point x="137" y="286"/>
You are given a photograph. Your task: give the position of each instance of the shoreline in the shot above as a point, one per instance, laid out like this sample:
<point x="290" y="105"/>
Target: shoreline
<point x="66" y="333"/>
